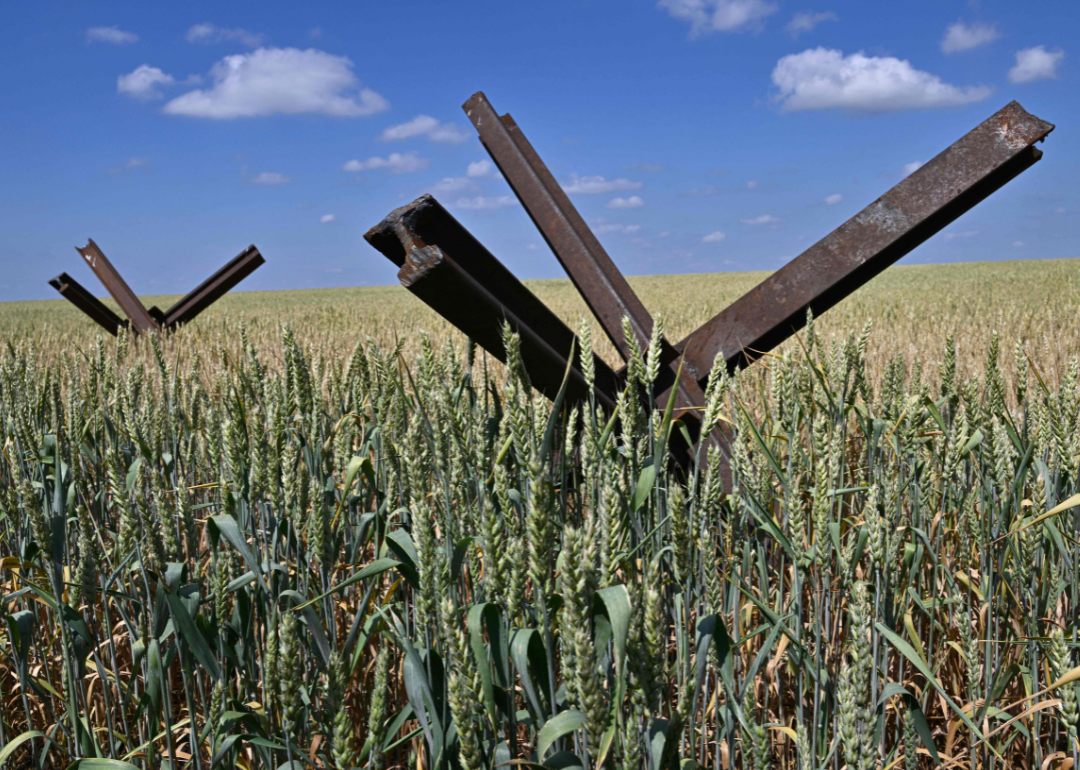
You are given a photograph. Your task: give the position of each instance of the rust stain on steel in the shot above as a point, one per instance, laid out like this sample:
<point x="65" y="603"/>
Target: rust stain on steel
<point x="214" y="287"/>
<point x="434" y="277"/>
<point x="600" y="283"/>
<point x="443" y="264"/>
<point x="117" y="287"/>
<point x="143" y="320"/>
<point x="604" y="289"/>
<point x="935" y="195"/>
<point x="75" y="293"/>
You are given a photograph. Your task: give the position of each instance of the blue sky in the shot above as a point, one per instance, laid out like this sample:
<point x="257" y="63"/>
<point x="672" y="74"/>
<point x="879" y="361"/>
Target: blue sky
<point x="694" y="135"/>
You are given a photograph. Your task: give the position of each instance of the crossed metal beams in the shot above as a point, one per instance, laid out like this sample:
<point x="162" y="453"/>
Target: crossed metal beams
<point x="141" y="319"/>
<point x="451" y="271"/>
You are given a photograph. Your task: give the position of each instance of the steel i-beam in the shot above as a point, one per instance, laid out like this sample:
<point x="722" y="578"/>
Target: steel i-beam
<point x="446" y="267"/>
<point x="141" y="319"/>
<point x="604" y="289"/>
<point x="918" y="207"/>
<point x="214" y="287"/>
<point x="75" y="293"/>
<point x="964" y="174"/>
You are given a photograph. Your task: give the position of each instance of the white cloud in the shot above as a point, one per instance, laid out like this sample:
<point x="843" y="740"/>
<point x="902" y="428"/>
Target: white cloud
<point x="714" y="237"/>
<point x="964" y="37"/>
<point x="764" y="219"/>
<point x="963" y="234"/>
<point x="279" y="80"/>
<point x="448" y="133"/>
<point x="460" y="184"/>
<point x="911" y="168"/>
<point x="425" y="125"/>
<point x="211" y="33"/>
<point x="113" y="35"/>
<point x="481" y="202"/>
<point x="594" y="185"/>
<point x="603" y="227"/>
<point x="832" y="200"/>
<point x="1059" y="210"/>
<point x="822" y="78"/>
<point x="632" y="202"/>
<point x="483" y="167"/>
<point x="455" y="184"/>
<point x="142" y="83"/>
<point x="1035" y="64"/>
<point x="718" y="15"/>
<point x="418" y="126"/>
<point x="396" y="162"/>
<point x="805" y="22"/>
<point x="327" y="219"/>
<point x="132" y="165"/>
<point x="271" y="178"/>
<point x="752" y="183"/>
<point x="1018" y="244"/>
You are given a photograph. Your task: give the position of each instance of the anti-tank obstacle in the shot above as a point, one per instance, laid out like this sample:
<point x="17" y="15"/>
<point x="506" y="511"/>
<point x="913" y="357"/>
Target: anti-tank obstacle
<point x="140" y="319"/>
<point x="444" y="265"/>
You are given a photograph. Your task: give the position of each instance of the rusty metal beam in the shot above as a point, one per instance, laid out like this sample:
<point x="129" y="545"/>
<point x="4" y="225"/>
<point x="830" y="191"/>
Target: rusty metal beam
<point x="444" y="265"/>
<point x="967" y="172"/>
<point x="605" y="290"/>
<point x="75" y="293"/>
<point x="141" y="320"/>
<point x="434" y="277"/>
<point x="214" y="287"/>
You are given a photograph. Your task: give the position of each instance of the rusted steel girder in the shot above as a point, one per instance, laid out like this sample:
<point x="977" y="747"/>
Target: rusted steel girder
<point x="141" y="319"/>
<point x="604" y="289"/>
<point x="981" y="162"/>
<point x="75" y="293"/>
<point x="446" y="267"/>
<point x="214" y="287"/>
<point x="934" y="196"/>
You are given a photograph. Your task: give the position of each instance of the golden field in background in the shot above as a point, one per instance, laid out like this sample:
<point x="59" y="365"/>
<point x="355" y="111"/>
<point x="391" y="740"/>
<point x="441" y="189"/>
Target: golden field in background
<point x="912" y="309"/>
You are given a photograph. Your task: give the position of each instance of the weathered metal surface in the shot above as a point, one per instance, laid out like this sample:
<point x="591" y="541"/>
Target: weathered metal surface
<point x="935" y="195"/>
<point x="116" y="286"/>
<point x="604" y="289"/>
<point x="214" y="287"/>
<point x="600" y="283"/>
<point x="444" y="265"/>
<point x="475" y="292"/>
<point x="434" y="277"/>
<point x="75" y="293"/>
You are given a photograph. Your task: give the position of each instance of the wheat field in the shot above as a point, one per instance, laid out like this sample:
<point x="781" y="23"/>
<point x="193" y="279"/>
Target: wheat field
<point x="910" y="308"/>
<point x="318" y="529"/>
